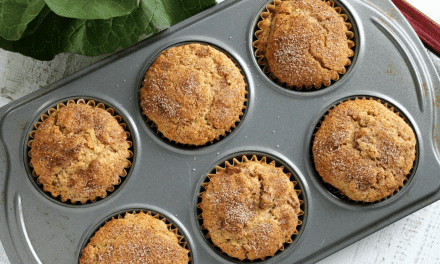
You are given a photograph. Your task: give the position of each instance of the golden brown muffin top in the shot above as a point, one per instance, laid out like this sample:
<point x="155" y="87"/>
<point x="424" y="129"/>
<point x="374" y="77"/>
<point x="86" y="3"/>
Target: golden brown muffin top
<point x="79" y="152"/>
<point x="193" y="93"/>
<point x="303" y="43"/>
<point x="137" y="238"/>
<point x="364" y="149"/>
<point x="250" y="209"/>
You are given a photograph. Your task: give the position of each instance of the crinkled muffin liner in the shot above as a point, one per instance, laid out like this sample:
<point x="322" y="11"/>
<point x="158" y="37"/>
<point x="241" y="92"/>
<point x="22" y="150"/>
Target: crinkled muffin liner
<point x="152" y="125"/>
<point x="171" y="227"/>
<point x="263" y="63"/>
<point x="92" y="103"/>
<point x="335" y="191"/>
<point x="262" y="159"/>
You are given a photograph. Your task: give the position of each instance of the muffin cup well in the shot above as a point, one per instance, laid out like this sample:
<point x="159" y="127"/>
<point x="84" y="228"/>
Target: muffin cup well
<point x="336" y="192"/>
<point x="183" y="242"/>
<point x="274" y="162"/>
<point x="92" y="103"/>
<point x="153" y="126"/>
<point x="350" y="33"/>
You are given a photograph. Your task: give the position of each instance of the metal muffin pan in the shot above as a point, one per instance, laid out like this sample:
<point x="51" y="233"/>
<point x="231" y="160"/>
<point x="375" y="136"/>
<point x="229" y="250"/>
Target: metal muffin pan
<point x="391" y="64"/>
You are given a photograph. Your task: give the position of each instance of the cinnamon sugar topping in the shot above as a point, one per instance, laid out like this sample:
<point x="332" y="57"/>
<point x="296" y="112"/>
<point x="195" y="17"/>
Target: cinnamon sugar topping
<point x="193" y="93"/>
<point x="137" y="238"/>
<point x="250" y="209"/>
<point x="364" y="149"/>
<point x="303" y="43"/>
<point x="79" y="152"/>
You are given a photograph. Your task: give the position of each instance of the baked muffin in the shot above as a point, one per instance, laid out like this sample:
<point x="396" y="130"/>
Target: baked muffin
<point x="364" y="149"/>
<point x="250" y="209"/>
<point x="303" y="43"/>
<point x="79" y="152"/>
<point x="137" y="238"/>
<point x="193" y="93"/>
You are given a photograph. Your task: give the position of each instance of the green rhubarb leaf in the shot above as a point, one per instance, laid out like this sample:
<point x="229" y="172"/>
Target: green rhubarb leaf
<point x="15" y="15"/>
<point x="92" y="9"/>
<point x="52" y="34"/>
<point x="35" y="24"/>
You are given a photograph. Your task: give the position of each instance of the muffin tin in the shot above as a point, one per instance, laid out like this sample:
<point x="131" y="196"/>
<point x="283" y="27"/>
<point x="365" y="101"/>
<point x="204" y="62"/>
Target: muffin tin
<point x="390" y="63"/>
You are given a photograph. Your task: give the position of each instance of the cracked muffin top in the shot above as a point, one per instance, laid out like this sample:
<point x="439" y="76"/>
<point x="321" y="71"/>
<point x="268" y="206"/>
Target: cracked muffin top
<point x="193" y="93"/>
<point x="250" y="209"/>
<point x="364" y="149"/>
<point x="137" y="238"/>
<point x="79" y="152"/>
<point x="303" y="43"/>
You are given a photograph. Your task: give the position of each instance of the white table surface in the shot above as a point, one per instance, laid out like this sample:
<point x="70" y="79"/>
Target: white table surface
<point x="413" y="239"/>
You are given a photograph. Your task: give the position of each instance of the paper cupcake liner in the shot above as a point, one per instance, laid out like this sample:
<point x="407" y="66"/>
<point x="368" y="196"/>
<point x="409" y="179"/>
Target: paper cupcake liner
<point x="262" y="61"/>
<point x="262" y="159"/>
<point x="183" y="242"/>
<point x="153" y="126"/>
<point x="93" y="103"/>
<point x="335" y="191"/>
